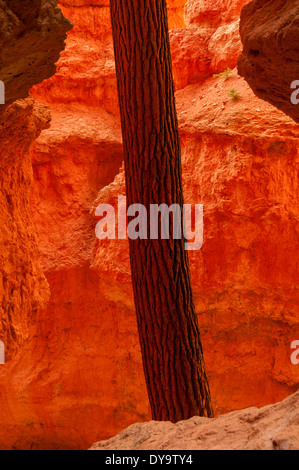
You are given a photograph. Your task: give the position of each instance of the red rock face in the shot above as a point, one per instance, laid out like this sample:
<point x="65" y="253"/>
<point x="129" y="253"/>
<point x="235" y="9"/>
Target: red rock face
<point x="269" y="62"/>
<point x="79" y="377"/>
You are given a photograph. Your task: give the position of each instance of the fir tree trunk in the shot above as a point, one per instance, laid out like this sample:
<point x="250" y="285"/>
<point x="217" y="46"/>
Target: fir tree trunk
<point x="167" y="322"/>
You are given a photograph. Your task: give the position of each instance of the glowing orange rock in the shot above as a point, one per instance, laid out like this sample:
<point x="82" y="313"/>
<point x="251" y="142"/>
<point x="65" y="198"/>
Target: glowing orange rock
<point x="211" y="42"/>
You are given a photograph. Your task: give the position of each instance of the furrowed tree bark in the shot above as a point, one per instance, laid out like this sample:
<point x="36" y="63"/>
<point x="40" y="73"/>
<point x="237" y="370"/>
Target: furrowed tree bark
<point x="168" y="327"/>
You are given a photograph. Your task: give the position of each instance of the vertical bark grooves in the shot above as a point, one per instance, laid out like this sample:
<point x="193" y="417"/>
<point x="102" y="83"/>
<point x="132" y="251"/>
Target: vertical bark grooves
<point x="168" y="327"/>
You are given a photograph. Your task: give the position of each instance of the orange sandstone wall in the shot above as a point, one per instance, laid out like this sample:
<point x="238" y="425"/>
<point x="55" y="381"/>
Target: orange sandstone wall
<point x="237" y="157"/>
<point x="86" y="70"/>
<point x="79" y="377"/>
<point x="23" y="287"/>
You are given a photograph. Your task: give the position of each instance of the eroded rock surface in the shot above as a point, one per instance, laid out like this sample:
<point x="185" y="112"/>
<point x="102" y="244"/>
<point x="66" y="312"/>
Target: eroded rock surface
<point x="209" y="44"/>
<point x="32" y="35"/>
<point x="270" y="58"/>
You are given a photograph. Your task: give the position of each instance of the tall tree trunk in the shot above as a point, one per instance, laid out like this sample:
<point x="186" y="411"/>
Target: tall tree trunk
<point x="167" y="323"/>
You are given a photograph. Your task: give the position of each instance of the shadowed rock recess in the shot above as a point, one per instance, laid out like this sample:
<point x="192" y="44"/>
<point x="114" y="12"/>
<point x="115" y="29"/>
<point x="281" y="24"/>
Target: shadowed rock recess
<point x="32" y="35"/>
<point x="74" y="373"/>
<point x="270" y="58"/>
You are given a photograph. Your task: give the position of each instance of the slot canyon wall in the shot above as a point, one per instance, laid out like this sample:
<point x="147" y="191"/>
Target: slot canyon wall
<point x="32" y="35"/>
<point x="78" y="376"/>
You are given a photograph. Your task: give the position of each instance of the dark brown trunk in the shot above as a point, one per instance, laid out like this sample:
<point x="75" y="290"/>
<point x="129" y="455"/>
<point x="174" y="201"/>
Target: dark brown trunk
<point x="168" y="327"/>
